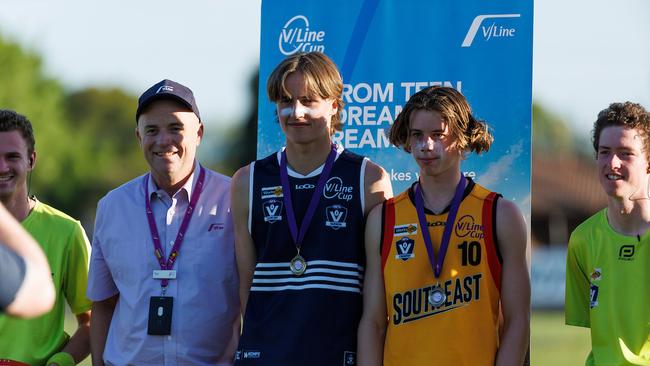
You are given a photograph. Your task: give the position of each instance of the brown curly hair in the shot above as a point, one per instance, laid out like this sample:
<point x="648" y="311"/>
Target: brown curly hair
<point x="321" y="76"/>
<point x="629" y="115"/>
<point x="468" y="132"/>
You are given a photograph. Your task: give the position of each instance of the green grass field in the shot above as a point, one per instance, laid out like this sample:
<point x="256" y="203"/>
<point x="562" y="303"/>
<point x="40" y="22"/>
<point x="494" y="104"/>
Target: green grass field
<point x="555" y="344"/>
<point x="552" y="342"/>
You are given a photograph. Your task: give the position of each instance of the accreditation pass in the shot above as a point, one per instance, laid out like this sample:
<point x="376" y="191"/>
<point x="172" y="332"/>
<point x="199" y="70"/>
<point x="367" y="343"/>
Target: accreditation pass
<point x="164" y="274"/>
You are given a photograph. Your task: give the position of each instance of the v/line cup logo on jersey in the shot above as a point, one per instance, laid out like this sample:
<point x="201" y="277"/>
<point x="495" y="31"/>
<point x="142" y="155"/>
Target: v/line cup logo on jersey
<point x="336" y="189"/>
<point x="467" y="227"/>
<point x="490" y="27"/>
<point x="296" y="36"/>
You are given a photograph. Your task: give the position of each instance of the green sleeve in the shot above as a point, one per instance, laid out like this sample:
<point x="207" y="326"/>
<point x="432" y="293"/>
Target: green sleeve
<point x="576" y="300"/>
<point x="76" y="278"/>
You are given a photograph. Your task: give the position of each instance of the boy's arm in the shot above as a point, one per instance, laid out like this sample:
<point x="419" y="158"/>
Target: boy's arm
<point x="515" y="284"/>
<point x="372" y="327"/>
<point x="245" y="252"/>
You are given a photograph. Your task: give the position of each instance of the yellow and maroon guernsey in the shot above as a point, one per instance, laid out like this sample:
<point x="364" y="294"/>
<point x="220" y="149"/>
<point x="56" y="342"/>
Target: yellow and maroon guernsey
<point x="453" y="319"/>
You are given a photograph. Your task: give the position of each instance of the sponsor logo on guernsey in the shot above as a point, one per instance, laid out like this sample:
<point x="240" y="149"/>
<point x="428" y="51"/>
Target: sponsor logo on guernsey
<point x="305" y="186"/>
<point x="349" y="358"/>
<point x="414" y="304"/>
<point x="297" y="36"/>
<point x="335" y="189"/>
<point x="272" y="210"/>
<point x="406" y="229"/>
<point x="467" y="227"/>
<point x="596" y="275"/>
<point x="593" y="296"/>
<point x="272" y="192"/>
<point x="245" y="354"/>
<point x="405" y="248"/>
<point x="335" y="216"/>
<point x="626" y="252"/>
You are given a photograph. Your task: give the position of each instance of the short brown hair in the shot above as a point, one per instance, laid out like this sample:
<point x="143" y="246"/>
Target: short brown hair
<point x="13" y="121"/>
<point x="321" y="75"/>
<point x="629" y="115"/>
<point x="470" y="133"/>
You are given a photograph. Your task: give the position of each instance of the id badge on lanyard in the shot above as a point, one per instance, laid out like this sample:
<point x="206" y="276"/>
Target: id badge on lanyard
<point x="160" y="307"/>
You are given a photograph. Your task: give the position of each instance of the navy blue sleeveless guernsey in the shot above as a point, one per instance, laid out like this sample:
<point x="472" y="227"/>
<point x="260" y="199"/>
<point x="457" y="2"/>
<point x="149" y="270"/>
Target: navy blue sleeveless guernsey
<point x="310" y="319"/>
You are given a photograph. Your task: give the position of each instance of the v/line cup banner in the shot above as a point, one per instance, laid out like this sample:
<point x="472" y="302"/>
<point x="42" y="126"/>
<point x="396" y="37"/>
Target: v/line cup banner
<point x="387" y="50"/>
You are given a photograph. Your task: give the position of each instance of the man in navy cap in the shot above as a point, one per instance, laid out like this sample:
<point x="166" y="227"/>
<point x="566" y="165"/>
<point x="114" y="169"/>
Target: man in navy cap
<point x="162" y="273"/>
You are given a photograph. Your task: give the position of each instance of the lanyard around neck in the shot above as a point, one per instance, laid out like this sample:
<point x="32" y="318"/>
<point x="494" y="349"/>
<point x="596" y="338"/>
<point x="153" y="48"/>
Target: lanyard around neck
<point x="296" y="235"/>
<point x="166" y="264"/>
<point x="436" y="263"/>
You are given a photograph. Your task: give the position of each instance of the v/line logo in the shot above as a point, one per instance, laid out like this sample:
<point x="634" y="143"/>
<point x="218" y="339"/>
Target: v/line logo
<point x="490" y="31"/>
<point x="296" y="36"/>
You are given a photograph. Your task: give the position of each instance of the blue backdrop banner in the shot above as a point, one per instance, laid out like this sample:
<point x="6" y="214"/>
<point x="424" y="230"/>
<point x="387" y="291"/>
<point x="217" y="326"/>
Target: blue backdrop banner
<point x="389" y="49"/>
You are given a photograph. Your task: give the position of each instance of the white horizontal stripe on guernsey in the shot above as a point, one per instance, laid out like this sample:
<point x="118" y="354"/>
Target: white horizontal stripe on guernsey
<point x="313" y="263"/>
<point x="306" y="279"/>
<point x="306" y="287"/>
<point x="309" y="271"/>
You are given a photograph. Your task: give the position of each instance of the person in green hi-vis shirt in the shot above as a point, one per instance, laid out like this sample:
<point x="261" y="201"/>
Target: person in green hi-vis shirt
<point x="608" y="261"/>
<point x="42" y="340"/>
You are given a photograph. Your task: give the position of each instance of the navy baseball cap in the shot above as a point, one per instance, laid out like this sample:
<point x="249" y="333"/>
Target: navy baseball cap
<point x="167" y="89"/>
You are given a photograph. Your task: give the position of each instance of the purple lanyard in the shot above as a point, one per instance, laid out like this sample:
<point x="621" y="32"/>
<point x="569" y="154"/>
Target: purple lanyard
<point x="436" y="263"/>
<point x="159" y="252"/>
<point x="286" y="196"/>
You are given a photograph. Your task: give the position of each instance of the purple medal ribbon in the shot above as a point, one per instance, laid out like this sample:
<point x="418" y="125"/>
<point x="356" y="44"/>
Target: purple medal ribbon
<point x="286" y="196"/>
<point x="159" y="252"/>
<point x="436" y="263"/>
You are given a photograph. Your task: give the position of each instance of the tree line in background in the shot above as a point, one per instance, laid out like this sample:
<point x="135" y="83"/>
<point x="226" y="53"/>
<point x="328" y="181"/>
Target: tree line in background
<point x="86" y="145"/>
<point x="85" y="139"/>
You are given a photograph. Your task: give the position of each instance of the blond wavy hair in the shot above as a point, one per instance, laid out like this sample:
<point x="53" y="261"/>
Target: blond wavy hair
<point x="321" y="76"/>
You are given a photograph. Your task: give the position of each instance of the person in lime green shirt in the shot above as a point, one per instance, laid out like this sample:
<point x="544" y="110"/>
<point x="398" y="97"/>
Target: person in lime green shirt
<point x="608" y="260"/>
<point x="42" y="340"/>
